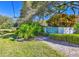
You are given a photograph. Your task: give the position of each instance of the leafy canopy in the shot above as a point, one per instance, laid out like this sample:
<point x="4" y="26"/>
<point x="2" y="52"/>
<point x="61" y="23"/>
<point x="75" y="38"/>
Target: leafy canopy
<point x="6" y="22"/>
<point x="62" y="20"/>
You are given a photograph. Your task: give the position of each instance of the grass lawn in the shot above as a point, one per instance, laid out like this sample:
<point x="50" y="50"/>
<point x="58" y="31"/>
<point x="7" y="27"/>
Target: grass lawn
<point x="29" y="49"/>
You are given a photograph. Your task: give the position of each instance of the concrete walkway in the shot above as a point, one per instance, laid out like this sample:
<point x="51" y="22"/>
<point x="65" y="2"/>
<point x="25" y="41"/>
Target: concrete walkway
<point x="70" y="51"/>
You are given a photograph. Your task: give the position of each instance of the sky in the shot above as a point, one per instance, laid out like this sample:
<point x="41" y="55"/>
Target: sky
<point x="6" y="8"/>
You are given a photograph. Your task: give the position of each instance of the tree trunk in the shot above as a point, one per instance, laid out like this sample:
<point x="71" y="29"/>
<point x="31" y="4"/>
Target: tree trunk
<point x="30" y="11"/>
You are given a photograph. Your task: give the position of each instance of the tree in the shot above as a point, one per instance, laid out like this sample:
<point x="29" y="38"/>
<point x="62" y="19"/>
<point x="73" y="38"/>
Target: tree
<point x="6" y="22"/>
<point x="32" y="9"/>
<point x="42" y="9"/>
<point x="71" y="20"/>
<point x="62" y="20"/>
<point x="23" y="10"/>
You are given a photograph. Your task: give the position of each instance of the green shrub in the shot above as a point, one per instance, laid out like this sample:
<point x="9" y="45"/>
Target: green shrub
<point x="76" y="27"/>
<point x="29" y="30"/>
<point x="71" y="38"/>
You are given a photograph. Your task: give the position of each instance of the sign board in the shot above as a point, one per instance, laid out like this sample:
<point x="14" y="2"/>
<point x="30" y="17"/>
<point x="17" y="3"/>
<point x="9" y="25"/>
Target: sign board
<point x="51" y="30"/>
<point x="59" y="30"/>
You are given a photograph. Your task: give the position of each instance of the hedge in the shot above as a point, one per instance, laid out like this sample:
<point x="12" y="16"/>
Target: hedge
<point x="70" y="38"/>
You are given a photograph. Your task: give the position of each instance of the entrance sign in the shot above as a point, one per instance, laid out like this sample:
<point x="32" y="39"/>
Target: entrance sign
<point x="58" y="30"/>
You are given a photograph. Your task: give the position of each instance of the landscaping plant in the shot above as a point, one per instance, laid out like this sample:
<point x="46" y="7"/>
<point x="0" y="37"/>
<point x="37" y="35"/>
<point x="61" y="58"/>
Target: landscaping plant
<point x="76" y="27"/>
<point x="70" y="38"/>
<point x="29" y="30"/>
